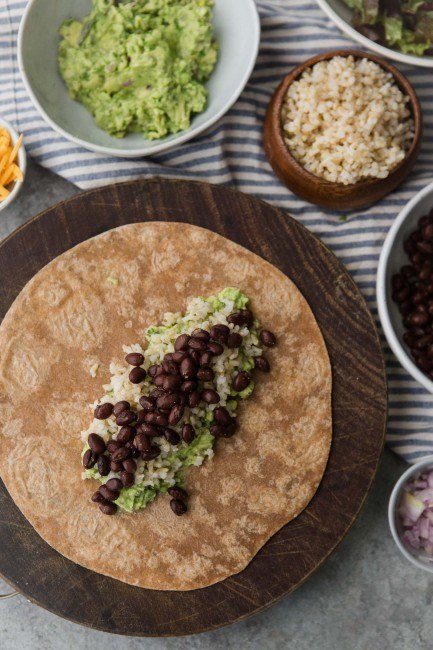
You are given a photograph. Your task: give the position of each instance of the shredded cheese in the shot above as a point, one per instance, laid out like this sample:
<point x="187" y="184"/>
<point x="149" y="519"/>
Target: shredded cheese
<point x="9" y="170"/>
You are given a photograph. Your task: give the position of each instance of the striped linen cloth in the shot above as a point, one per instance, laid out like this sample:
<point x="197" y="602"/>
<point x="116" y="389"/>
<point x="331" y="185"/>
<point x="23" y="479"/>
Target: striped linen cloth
<point x="231" y="153"/>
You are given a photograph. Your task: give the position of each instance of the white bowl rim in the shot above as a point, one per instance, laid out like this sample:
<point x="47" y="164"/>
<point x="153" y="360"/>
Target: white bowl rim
<point x="410" y="59"/>
<point x="395" y="494"/>
<point x="157" y="148"/>
<point x="22" y="162"/>
<point x="385" y="319"/>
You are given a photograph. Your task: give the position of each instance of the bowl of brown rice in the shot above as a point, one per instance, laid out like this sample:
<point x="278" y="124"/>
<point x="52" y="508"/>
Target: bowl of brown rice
<point x="343" y="129"/>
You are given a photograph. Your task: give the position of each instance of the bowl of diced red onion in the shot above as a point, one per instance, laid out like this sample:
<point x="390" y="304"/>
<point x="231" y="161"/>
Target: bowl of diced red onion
<point x="405" y="287"/>
<point x="410" y="514"/>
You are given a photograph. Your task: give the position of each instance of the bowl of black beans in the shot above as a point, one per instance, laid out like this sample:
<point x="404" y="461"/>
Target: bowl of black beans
<point x="405" y="287"/>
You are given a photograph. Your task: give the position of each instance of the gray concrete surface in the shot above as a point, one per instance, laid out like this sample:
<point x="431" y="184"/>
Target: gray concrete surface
<point x="366" y="597"/>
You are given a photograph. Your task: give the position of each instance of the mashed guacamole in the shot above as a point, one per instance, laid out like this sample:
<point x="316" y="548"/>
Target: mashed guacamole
<point x="140" y="66"/>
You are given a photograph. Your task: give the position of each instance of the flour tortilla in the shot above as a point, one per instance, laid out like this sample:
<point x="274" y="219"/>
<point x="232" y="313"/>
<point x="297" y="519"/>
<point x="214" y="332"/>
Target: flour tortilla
<point x="69" y="317"/>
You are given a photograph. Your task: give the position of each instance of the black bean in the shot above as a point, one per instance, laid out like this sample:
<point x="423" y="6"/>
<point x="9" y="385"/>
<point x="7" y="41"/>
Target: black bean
<point x="418" y="318"/>
<point x="179" y="507"/>
<point x="96" y="443"/>
<point x="134" y="359"/>
<point x="210" y="396"/>
<point x="113" y="445"/>
<point x="178" y="357"/>
<point x="188" y="433"/>
<point x="120" y="454"/>
<point x="177" y="493"/>
<point x="141" y="416"/>
<point x="171" y="436"/>
<point x="230" y="429"/>
<point x="261" y="363"/>
<point x="167" y="401"/>
<point x="181" y="342"/>
<point x="427" y="232"/>
<point x="425" y="247"/>
<point x="152" y="454"/>
<point x="267" y="338"/>
<point x="125" y="417"/>
<point x="151" y="417"/>
<point x="234" y="340"/>
<point x="121" y="406"/>
<point x="109" y="495"/>
<point x="217" y="430"/>
<point x="153" y="370"/>
<point x="200" y="334"/>
<point x="222" y="416"/>
<point x="125" y="434"/>
<point x="195" y="356"/>
<point x="194" y="399"/>
<point x="241" y="381"/>
<point x="205" y="373"/>
<point x="148" y="430"/>
<point x="183" y="399"/>
<point x="170" y="367"/>
<point x="127" y="479"/>
<point x="188" y="386"/>
<point x="103" y="411"/>
<point x="205" y="358"/>
<point x="148" y="403"/>
<point x="130" y="466"/>
<point x="159" y="379"/>
<point x="142" y="442"/>
<point x="188" y="369"/>
<point x="176" y="414"/>
<point x="215" y="348"/>
<point x="243" y="317"/>
<point x="114" y="484"/>
<point x="161" y="420"/>
<point x="97" y="497"/>
<point x="197" y="344"/>
<point x="89" y="459"/>
<point x="108" y="508"/>
<point x="137" y="375"/>
<point x="172" y="383"/>
<point x="103" y="465"/>
<point x="220" y="333"/>
<point x="116" y="466"/>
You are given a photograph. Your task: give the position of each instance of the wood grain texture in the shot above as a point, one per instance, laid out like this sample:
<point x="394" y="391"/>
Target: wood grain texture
<point x="359" y="412"/>
<point x="336" y="196"/>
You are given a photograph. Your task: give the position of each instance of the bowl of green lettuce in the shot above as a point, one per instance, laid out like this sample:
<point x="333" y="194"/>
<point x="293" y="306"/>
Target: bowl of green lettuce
<point x="398" y="29"/>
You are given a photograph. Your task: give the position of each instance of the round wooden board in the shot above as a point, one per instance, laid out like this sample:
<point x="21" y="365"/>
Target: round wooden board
<point x="359" y="412"/>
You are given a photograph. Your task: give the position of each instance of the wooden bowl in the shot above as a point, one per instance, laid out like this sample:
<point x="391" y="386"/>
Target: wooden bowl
<point x="314" y="189"/>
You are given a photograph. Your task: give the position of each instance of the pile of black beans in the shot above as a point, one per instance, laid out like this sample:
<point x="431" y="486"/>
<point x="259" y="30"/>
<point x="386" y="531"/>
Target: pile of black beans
<point x="183" y="381"/>
<point x="412" y="290"/>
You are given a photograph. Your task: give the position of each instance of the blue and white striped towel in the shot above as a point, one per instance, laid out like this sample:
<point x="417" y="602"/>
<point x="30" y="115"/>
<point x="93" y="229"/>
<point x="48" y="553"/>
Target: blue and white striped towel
<point x="232" y="153"/>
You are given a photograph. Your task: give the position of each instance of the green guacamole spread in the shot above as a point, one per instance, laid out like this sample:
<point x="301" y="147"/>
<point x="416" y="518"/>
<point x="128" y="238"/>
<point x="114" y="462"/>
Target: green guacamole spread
<point x="140" y="66"/>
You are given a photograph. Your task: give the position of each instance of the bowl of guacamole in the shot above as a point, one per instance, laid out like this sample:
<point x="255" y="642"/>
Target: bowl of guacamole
<point x="134" y="78"/>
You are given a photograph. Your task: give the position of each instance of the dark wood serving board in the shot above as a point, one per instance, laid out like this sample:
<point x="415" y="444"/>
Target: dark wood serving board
<point x="359" y="412"/>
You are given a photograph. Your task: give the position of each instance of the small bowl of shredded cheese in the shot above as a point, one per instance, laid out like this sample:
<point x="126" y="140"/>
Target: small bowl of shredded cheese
<point x="12" y="163"/>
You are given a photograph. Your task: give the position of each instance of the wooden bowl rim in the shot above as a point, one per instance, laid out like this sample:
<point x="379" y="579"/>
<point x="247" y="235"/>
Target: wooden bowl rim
<point x="402" y="82"/>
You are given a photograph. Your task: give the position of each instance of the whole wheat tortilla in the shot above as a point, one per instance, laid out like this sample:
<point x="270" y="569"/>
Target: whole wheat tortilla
<point x="69" y="316"/>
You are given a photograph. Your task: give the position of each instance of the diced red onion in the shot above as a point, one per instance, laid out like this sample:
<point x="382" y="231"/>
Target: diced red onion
<point x="416" y="513"/>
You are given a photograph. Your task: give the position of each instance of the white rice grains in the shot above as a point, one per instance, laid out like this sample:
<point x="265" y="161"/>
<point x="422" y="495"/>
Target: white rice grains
<point x="346" y="120"/>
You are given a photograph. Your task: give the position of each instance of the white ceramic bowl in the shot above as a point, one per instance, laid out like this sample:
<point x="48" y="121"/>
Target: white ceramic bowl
<point x="22" y="164"/>
<point x="410" y="553"/>
<point x="341" y="15"/>
<point x="237" y="30"/>
<point x="392" y="258"/>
